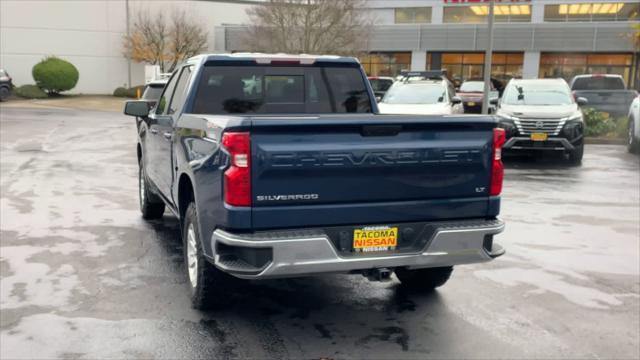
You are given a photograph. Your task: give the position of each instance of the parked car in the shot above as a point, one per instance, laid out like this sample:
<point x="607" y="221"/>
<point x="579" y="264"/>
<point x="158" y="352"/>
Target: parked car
<point x="541" y="114"/>
<point x="153" y="90"/>
<point x="605" y="93"/>
<point x="6" y="85"/>
<point x="303" y="177"/>
<point x="423" y="93"/>
<point x="380" y="85"/>
<point x="634" y="126"/>
<point x="471" y="92"/>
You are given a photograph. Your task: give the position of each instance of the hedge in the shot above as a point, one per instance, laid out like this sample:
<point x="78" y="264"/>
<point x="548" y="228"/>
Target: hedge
<point x="30" y="92"/>
<point x="129" y="93"/>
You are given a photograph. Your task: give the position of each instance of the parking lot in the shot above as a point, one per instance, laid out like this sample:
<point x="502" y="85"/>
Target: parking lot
<point x="83" y="276"/>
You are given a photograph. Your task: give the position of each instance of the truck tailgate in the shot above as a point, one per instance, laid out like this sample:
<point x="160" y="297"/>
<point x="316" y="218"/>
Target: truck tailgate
<point x="369" y="169"/>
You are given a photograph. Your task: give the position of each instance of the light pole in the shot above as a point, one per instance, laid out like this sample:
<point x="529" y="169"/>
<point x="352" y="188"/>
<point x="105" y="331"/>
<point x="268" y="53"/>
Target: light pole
<point x="128" y="54"/>
<point x="487" y="61"/>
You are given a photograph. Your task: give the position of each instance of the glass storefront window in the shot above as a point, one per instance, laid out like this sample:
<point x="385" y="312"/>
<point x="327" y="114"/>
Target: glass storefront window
<point x="566" y="66"/>
<point x="619" y="11"/>
<point x="413" y="15"/>
<point x="478" y="14"/>
<point x="385" y="64"/>
<point x="465" y="66"/>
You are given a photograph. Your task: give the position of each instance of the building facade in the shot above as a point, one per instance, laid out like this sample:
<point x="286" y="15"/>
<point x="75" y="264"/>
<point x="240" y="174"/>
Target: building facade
<point x="89" y="34"/>
<point x="532" y="38"/>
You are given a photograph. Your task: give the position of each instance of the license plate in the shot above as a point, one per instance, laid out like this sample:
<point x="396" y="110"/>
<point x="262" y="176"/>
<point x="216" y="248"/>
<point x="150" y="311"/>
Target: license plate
<point x="471" y="103"/>
<point x="539" y="137"/>
<point x="375" y="238"/>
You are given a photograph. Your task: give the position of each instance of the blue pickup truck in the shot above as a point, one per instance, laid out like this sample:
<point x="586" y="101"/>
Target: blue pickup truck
<point x="280" y="166"/>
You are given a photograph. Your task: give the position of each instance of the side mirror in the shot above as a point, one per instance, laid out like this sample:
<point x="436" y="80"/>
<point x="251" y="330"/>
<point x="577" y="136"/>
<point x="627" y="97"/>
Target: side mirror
<point x="456" y="100"/>
<point x="139" y="108"/>
<point x="493" y="101"/>
<point x="582" y="101"/>
<point x="378" y="98"/>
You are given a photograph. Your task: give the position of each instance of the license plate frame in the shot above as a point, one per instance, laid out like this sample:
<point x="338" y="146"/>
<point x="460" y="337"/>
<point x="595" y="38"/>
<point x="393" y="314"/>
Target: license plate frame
<point x="539" y="136"/>
<point x="371" y="239"/>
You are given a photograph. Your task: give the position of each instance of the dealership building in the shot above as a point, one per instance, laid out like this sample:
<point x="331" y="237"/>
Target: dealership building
<point x="532" y="38"/>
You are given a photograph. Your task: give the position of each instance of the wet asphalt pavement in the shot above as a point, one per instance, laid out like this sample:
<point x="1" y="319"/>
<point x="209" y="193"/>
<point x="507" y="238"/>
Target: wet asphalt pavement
<point x="83" y="276"/>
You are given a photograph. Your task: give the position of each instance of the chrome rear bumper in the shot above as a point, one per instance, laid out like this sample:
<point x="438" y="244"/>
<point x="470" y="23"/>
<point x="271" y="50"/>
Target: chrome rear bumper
<point x="309" y="252"/>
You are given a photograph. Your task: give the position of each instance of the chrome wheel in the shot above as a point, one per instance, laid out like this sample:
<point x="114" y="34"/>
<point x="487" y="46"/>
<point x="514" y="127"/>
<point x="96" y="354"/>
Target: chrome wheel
<point x="141" y="186"/>
<point x="192" y="256"/>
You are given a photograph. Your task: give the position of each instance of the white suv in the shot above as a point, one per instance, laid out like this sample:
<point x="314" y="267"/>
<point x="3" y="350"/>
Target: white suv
<point x="634" y="126"/>
<point x="421" y="93"/>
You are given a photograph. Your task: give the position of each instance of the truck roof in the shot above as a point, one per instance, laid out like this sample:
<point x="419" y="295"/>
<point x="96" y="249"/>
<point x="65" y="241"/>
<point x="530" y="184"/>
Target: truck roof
<point x="267" y="58"/>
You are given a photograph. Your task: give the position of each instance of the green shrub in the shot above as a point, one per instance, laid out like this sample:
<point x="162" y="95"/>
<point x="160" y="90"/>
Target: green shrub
<point x="130" y="92"/>
<point x="30" y="92"/>
<point x="120" y="92"/>
<point x="55" y="75"/>
<point x="597" y="124"/>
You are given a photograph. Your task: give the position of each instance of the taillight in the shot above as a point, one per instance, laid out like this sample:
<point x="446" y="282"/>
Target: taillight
<point x="237" y="179"/>
<point x="497" y="168"/>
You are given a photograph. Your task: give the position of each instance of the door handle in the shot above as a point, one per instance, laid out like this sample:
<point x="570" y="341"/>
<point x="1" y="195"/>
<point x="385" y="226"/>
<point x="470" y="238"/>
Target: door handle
<point x="167" y="135"/>
<point x="154" y="131"/>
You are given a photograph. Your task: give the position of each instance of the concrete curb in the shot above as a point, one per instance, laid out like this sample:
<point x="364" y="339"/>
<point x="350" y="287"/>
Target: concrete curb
<point x="604" y="141"/>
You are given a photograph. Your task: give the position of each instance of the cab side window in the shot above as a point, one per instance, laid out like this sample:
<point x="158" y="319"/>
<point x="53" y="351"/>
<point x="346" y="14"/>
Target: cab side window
<point x="163" y="102"/>
<point x="179" y="93"/>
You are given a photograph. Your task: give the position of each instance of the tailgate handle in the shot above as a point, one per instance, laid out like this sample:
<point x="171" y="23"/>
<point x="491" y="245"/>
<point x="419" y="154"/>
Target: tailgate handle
<point x="381" y="130"/>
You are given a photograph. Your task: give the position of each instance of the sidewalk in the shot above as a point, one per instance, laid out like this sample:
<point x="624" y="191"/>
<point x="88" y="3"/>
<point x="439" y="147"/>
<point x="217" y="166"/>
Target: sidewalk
<point x="80" y="102"/>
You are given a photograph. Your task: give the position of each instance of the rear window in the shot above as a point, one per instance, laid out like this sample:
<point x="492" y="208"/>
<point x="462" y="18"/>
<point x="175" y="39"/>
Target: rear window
<point x="472" y="86"/>
<point x="419" y="93"/>
<point x="598" y="83"/>
<point x="280" y="89"/>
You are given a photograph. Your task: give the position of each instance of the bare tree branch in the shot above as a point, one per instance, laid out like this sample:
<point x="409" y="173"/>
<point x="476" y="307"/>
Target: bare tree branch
<point x="164" y="40"/>
<point x="309" y="26"/>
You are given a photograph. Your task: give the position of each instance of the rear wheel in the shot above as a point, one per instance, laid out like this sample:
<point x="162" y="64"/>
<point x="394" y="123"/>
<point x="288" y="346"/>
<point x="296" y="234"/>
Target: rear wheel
<point x="424" y="279"/>
<point x="632" y="143"/>
<point x="151" y="206"/>
<point x="206" y="282"/>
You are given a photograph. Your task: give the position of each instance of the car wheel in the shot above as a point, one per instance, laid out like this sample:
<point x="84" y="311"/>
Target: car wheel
<point x="632" y="143"/>
<point x="205" y="280"/>
<point x="424" y="279"/>
<point x="575" y="156"/>
<point x="151" y="206"/>
<point x="4" y="93"/>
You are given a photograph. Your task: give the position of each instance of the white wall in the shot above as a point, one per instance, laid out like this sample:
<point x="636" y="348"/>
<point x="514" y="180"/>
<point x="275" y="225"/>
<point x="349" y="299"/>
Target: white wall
<point x="89" y="35"/>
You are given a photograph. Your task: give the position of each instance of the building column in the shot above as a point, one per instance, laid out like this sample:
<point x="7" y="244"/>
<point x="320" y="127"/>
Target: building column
<point x="418" y="60"/>
<point x="531" y="66"/>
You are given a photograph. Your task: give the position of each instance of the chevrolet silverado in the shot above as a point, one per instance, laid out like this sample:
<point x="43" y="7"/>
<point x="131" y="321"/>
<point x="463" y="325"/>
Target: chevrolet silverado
<point x="280" y="166"/>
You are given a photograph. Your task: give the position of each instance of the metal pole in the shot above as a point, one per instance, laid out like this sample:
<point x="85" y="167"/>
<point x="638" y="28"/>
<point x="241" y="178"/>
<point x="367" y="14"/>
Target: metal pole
<point x="487" y="61"/>
<point x="128" y="54"/>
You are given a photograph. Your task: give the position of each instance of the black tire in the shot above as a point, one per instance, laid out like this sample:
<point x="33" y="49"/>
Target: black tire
<point x="205" y="289"/>
<point x="151" y="206"/>
<point x="575" y="155"/>
<point x="633" y="144"/>
<point x="4" y="93"/>
<point x="424" y="279"/>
